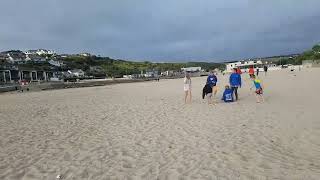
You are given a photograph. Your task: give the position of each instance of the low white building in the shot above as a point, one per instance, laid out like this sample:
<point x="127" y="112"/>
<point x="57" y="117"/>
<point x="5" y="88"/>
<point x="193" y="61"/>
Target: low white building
<point x="152" y="73"/>
<point x="191" y="69"/>
<point x="127" y="76"/>
<point x="85" y="54"/>
<point x="167" y="73"/>
<point x="77" y="73"/>
<point x="244" y="65"/>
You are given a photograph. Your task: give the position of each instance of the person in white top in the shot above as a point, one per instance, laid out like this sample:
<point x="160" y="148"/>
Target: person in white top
<point x="187" y="88"/>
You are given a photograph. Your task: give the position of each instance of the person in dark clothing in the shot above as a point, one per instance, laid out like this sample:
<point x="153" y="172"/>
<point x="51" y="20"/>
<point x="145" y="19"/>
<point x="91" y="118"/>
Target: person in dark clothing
<point x="235" y="82"/>
<point x="258" y="71"/>
<point x="265" y="68"/>
<point x="212" y="82"/>
<point x="207" y="92"/>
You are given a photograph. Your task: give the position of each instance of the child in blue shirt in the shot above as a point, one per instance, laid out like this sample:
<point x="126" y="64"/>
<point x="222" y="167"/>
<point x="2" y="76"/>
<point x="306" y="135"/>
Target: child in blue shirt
<point x="227" y="94"/>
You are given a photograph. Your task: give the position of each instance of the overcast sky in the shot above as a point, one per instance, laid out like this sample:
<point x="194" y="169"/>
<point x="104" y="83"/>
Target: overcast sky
<point x="162" y="30"/>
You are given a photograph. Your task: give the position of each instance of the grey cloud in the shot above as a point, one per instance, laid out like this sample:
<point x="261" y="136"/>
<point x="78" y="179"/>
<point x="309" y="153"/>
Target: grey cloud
<point x="167" y="30"/>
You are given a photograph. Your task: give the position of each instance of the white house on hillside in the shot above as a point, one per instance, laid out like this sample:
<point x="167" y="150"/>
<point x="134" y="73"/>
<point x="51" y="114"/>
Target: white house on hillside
<point x="85" y="54"/>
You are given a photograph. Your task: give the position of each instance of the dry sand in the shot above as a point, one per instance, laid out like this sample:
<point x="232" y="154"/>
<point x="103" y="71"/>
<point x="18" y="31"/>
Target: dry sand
<point x="144" y="131"/>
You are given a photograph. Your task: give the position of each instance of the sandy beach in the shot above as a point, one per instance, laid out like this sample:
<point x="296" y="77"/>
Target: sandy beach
<point x="145" y="131"/>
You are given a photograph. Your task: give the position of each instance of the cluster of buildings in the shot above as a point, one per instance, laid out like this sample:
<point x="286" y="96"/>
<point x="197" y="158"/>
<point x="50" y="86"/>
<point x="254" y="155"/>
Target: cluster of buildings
<point x="14" y="66"/>
<point x="20" y="57"/>
<point x="260" y="63"/>
<point x="193" y="71"/>
<point x="40" y="55"/>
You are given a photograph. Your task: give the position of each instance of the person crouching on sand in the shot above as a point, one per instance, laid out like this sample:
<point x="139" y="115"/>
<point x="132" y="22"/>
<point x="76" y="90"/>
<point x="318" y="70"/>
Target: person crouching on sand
<point x="207" y="92"/>
<point x="187" y="88"/>
<point x="227" y="94"/>
<point x="259" y="89"/>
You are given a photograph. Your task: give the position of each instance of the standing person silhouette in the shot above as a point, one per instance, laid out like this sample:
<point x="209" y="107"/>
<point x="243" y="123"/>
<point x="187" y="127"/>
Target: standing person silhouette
<point x="265" y="68"/>
<point x="251" y="71"/>
<point x="235" y="82"/>
<point x="212" y="82"/>
<point x="239" y="70"/>
<point x="187" y="88"/>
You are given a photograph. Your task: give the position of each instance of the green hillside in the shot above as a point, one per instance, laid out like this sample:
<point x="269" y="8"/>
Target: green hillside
<point x="120" y="67"/>
<point x="312" y="54"/>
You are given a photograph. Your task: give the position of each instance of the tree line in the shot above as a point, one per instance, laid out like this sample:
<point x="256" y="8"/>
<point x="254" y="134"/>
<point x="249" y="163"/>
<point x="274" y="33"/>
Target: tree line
<point x="312" y="54"/>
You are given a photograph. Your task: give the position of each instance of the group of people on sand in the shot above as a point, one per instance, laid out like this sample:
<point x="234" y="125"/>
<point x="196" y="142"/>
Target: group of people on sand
<point x="230" y="93"/>
<point x="251" y="71"/>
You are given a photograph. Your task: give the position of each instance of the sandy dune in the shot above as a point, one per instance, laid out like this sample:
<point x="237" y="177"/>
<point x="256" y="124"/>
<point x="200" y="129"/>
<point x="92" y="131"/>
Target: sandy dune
<point x="144" y="131"/>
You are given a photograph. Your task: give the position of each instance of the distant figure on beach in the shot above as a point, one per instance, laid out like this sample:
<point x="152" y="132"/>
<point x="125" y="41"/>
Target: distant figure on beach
<point x="258" y="71"/>
<point x="235" y="82"/>
<point x="227" y="94"/>
<point x="239" y="70"/>
<point x="259" y="89"/>
<point x="207" y="92"/>
<point x="212" y="82"/>
<point x="187" y="88"/>
<point x="265" y="68"/>
<point x="251" y="71"/>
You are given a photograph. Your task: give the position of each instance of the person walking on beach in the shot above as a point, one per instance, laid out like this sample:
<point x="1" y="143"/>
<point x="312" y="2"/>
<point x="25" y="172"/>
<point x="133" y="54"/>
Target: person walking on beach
<point x="212" y="82"/>
<point x="251" y="71"/>
<point x="258" y="71"/>
<point x="259" y="89"/>
<point x="265" y="68"/>
<point x="187" y="88"/>
<point x="235" y="82"/>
